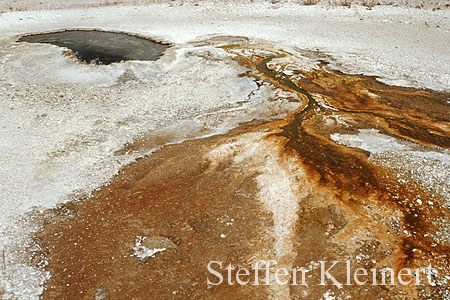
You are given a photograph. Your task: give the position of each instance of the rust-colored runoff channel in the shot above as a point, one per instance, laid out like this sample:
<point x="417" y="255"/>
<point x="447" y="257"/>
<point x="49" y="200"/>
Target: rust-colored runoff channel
<point x="349" y="206"/>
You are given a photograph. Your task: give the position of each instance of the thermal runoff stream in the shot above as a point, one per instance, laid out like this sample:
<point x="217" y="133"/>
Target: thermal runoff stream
<point x="336" y="179"/>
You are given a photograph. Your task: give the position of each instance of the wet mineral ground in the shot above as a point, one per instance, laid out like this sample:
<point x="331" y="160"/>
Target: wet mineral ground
<point x="357" y="174"/>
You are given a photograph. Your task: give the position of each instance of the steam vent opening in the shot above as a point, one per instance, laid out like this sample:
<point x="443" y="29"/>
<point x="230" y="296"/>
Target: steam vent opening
<point x="101" y="47"/>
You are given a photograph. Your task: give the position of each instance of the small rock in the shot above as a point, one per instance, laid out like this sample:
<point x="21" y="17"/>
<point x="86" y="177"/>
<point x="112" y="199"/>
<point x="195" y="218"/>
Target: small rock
<point x="101" y="293"/>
